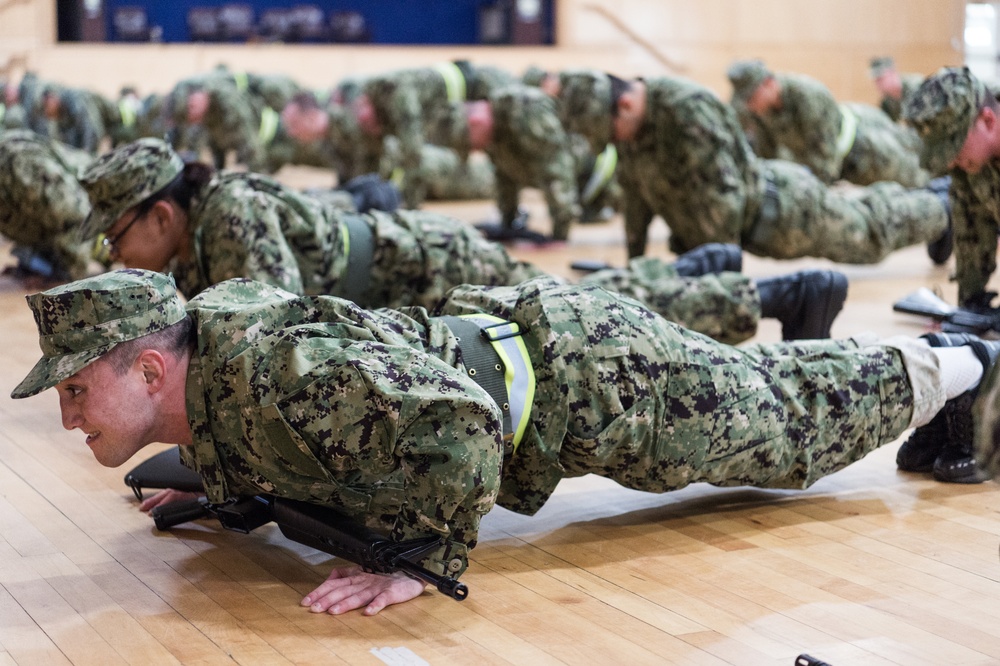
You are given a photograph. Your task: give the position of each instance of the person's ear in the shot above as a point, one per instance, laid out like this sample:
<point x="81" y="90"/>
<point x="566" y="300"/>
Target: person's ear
<point x="153" y="366"/>
<point x="163" y="215"/>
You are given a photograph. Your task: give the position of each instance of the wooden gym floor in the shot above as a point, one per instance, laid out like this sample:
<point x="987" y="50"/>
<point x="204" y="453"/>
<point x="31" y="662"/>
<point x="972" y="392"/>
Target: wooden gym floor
<point x="870" y="566"/>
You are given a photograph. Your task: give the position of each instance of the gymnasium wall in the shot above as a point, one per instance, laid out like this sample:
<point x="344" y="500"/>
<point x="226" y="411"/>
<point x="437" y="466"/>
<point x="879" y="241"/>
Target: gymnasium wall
<point x="831" y="40"/>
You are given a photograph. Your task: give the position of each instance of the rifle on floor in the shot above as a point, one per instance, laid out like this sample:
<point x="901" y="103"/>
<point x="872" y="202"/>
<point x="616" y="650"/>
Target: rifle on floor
<point x="315" y="526"/>
<point x="953" y="319"/>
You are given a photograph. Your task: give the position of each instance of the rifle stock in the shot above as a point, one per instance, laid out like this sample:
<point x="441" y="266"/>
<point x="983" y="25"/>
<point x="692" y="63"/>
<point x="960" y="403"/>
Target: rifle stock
<point x="318" y="527"/>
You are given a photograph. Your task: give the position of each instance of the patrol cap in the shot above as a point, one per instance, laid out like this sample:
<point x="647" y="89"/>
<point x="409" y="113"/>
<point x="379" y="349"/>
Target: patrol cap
<point x="880" y="66"/>
<point x="942" y="110"/>
<point x="585" y="104"/>
<point x="83" y="320"/>
<point x="533" y="76"/>
<point x="126" y="177"/>
<point x="746" y="76"/>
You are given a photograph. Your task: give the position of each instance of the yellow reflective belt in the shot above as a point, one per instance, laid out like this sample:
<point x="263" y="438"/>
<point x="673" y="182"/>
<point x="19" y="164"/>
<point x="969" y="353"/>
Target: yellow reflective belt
<point x="848" y="131"/>
<point x="242" y="81"/>
<point x="127" y="112"/>
<point x="604" y="170"/>
<point x="268" y="125"/>
<point x="519" y="376"/>
<point x="454" y="82"/>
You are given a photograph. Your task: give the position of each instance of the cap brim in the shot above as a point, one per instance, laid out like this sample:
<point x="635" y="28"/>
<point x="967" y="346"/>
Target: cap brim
<point x="50" y="371"/>
<point x="97" y="222"/>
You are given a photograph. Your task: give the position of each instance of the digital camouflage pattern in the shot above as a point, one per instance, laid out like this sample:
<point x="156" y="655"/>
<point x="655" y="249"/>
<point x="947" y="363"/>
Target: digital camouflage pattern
<point x="79" y="322"/>
<point x="807" y="125"/>
<point x="231" y="124"/>
<point x="408" y="103"/>
<point x="125" y="177"/>
<point x="585" y="105"/>
<point x="249" y="226"/>
<point x="44" y="205"/>
<point x="691" y="164"/>
<point x="78" y="123"/>
<point x="451" y="178"/>
<point x="746" y="76"/>
<point x="374" y="413"/>
<point x="943" y="110"/>
<point x="892" y="106"/>
<point x="531" y="149"/>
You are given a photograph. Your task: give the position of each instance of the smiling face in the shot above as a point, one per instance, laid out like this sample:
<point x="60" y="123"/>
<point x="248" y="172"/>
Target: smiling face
<point x="115" y="411"/>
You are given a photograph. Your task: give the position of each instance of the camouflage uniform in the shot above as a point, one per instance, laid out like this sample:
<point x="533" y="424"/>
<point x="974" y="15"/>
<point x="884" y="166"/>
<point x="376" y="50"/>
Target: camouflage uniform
<point x="809" y="124"/>
<point x="529" y="149"/>
<point x="232" y="121"/>
<point x="909" y="83"/>
<point x="376" y="413"/>
<point x="943" y="110"/>
<point x="690" y="163"/>
<point x="247" y="225"/>
<point x="43" y="204"/>
<point x="80" y="121"/>
<point x="410" y="104"/>
<point x="451" y="178"/>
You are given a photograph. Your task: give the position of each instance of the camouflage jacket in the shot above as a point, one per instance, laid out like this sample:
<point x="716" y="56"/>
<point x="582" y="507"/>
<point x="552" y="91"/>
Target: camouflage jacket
<point x="248" y="225"/>
<point x="531" y="149"/>
<point x="975" y="200"/>
<point x="691" y="164"/>
<point x="43" y="204"/>
<point x="807" y="125"/>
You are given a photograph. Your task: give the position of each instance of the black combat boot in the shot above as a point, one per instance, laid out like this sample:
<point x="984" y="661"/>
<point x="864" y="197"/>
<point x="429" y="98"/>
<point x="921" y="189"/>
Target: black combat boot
<point x="956" y="463"/>
<point x="940" y="250"/>
<point x="925" y="443"/>
<point x="806" y="303"/>
<point x="710" y="258"/>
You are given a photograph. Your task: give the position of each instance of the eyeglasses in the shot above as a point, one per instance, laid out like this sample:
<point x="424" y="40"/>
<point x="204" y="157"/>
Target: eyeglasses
<point x="110" y="243"/>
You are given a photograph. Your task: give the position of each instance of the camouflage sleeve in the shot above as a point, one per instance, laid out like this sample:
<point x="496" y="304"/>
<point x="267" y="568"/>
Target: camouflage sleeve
<point x="238" y="127"/>
<point x="379" y="414"/>
<point x="241" y="236"/>
<point x="976" y="220"/>
<point x="558" y="179"/>
<point x="637" y="213"/>
<point x="817" y="120"/>
<point x="698" y="143"/>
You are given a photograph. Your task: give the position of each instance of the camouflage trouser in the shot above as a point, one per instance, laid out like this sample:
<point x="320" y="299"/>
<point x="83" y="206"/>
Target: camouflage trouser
<point x="987" y="421"/>
<point x="725" y="306"/>
<point x="449" y="178"/>
<point x="420" y="255"/>
<point x="678" y="408"/>
<point x="847" y="225"/>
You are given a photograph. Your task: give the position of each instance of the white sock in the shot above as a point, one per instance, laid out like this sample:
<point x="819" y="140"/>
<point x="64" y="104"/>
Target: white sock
<point x="961" y="370"/>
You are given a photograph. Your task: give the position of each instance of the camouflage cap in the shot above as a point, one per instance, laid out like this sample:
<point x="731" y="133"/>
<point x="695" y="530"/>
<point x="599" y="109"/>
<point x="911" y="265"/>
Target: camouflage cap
<point x="746" y="76"/>
<point x="126" y="177"/>
<point x="880" y="66"/>
<point x="533" y="76"/>
<point x="83" y="320"/>
<point x="585" y="105"/>
<point x="942" y="110"/>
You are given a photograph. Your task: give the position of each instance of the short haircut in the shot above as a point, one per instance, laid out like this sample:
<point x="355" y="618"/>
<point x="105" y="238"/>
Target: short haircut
<point x="173" y="340"/>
